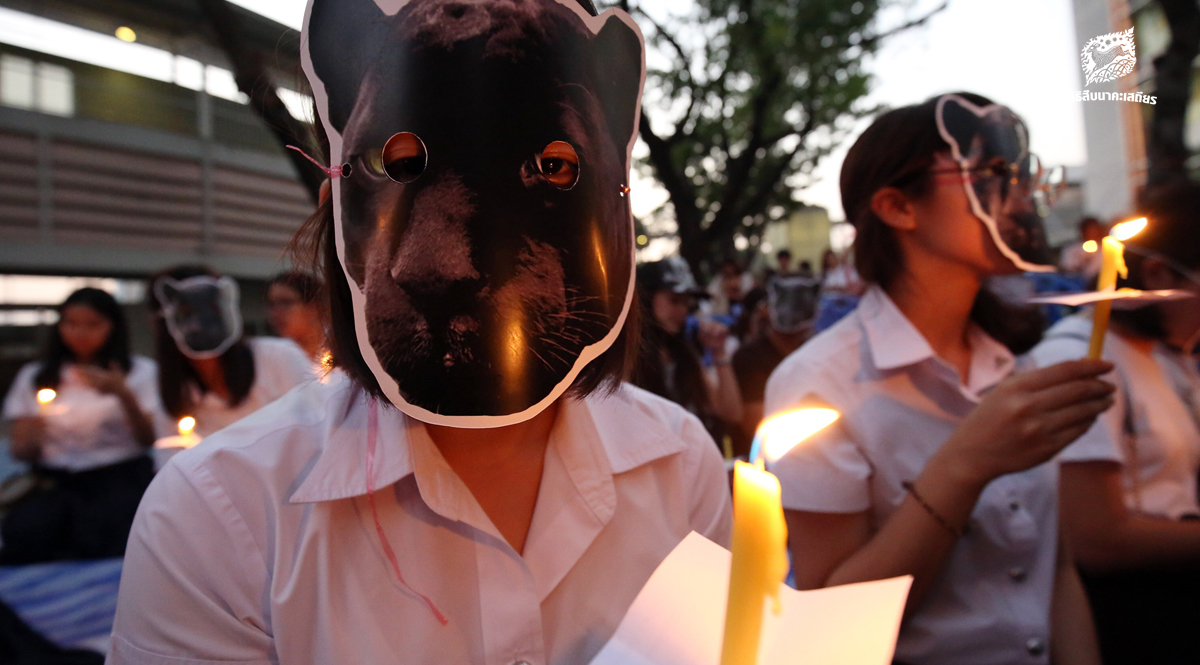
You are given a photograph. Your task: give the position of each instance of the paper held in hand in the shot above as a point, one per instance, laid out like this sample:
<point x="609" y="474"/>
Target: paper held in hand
<point x="1121" y="298"/>
<point x="677" y="618"/>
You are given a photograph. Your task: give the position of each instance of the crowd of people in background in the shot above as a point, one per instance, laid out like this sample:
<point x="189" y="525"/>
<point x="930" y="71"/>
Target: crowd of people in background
<point x="965" y="421"/>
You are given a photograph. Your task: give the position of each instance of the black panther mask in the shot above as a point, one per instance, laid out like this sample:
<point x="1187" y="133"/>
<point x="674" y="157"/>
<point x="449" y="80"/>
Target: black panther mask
<point x="1004" y="182"/>
<point x="484" y="226"/>
<point x="792" y="302"/>
<point x="201" y="314"/>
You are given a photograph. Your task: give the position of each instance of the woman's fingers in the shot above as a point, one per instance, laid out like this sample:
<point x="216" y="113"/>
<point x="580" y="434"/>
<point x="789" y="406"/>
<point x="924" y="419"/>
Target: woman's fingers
<point x="1064" y="372"/>
<point x="1081" y="413"/>
<point x="1065" y="394"/>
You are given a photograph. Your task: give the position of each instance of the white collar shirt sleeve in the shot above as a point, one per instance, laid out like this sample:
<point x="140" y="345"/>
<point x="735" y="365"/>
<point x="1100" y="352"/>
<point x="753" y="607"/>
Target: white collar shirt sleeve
<point x="899" y="403"/>
<point x="259" y="545"/>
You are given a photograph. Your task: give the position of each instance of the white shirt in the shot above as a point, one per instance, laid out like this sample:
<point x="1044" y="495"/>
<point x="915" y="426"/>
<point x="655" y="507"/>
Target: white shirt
<point x="1153" y="427"/>
<point x="899" y="404"/>
<point x="279" y="365"/>
<point x="258" y="545"/>
<point x="86" y="429"/>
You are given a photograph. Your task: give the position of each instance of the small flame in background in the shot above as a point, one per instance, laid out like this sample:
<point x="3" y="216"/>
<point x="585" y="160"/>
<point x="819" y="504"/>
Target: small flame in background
<point x="1090" y="246"/>
<point x="46" y="395"/>
<point x="186" y="425"/>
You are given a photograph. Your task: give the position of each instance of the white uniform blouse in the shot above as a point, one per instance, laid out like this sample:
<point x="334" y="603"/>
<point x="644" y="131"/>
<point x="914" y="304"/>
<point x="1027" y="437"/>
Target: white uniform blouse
<point x="279" y="365"/>
<point x="1153" y="427"/>
<point x="899" y="404"/>
<point x="84" y="428"/>
<point x="258" y="546"/>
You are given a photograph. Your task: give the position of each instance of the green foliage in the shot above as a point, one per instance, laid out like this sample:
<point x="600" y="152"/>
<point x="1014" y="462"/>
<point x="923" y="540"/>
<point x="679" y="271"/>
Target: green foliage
<point x="744" y="98"/>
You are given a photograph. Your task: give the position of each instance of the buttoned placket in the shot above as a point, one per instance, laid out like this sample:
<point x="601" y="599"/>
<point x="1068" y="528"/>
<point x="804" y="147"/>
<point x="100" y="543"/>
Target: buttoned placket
<point x="575" y="501"/>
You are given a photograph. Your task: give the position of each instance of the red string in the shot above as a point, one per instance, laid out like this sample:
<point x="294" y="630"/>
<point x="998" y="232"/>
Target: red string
<point x="331" y="171"/>
<point x="372" y="428"/>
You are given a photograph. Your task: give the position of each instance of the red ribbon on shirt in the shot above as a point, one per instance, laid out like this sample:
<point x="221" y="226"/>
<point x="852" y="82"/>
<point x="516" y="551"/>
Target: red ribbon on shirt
<point x="372" y="429"/>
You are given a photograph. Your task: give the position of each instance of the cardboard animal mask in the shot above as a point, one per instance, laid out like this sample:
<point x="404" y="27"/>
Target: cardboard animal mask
<point x="201" y="314"/>
<point x="1003" y="180"/>
<point x="484" y="227"/>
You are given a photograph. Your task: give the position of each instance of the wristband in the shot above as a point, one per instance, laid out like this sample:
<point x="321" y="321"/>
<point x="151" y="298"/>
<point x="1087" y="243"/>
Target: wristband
<point x="932" y="512"/>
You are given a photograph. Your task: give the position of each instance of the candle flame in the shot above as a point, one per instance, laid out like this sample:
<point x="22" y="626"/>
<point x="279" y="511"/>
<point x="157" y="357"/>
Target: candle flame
<point x="783" y="432"/>
<point x="1090" y="246"/>
<point x="46" y="395"/>
<point x="1127" y="230"/>
<point x="186" y="425"/>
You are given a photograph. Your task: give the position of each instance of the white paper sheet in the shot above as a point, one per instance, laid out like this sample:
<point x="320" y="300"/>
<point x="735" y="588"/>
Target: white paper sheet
<point x="679" y="617"/>
<point x="1121" y="298"/>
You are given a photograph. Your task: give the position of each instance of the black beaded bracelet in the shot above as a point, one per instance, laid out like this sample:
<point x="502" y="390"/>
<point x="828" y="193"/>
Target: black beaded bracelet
<point x="933" y="513"/>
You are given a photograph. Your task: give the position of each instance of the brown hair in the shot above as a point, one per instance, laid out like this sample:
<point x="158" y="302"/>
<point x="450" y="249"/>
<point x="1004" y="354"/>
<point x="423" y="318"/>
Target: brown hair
<point x="897" y="150"/>
<point x="314" y="249"/>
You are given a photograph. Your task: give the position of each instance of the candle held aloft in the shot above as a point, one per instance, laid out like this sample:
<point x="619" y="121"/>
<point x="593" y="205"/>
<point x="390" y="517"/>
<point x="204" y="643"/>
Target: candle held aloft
<point x="760" y="560"/>
<point x="1113" y="265"/>
<point x="759" y="563"/>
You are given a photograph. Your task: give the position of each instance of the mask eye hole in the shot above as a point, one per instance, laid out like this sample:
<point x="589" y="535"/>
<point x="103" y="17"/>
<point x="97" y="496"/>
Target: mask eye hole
<point x="404" y="157"/>
<point x="559" y="165"/>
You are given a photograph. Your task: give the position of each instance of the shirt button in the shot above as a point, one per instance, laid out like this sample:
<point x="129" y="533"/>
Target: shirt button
<point x="1014" y="506"/>
<point x="1035" y="646"/>
<point x="1017" y="574"/>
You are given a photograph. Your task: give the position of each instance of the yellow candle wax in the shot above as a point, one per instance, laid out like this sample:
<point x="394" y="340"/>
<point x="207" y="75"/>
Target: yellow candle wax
<point x="1113" y="264"/>
<point x="759" y="560"/>
<point x="44" y="397"/>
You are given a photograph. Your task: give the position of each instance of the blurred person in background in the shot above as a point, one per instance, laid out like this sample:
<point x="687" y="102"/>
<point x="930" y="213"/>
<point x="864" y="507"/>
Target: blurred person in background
<point x="1078" y="262"/>
<point x="787" y="308"/>
<point x="1129" y="485"/>
<point x="783" y="260"/>
<point x="88" y="445"/>
<point x="942" y="463"/>
<point x="670" y="362"/>
<point x="206" y="368"/>
<point x="726" y="292"/>
<point x="294" y="312"/>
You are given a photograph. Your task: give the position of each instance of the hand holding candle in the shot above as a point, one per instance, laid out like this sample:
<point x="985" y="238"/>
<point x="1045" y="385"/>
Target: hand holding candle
<point x="759" y="544"/>
<point x="1114" y="264"/>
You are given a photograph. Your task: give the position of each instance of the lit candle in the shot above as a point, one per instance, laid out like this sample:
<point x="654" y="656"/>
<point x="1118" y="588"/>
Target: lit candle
<point x="759" y="545"/>
<point x="187" y="437"/>
<point x="1114" y="264"/>
<point x="44" y="397"/>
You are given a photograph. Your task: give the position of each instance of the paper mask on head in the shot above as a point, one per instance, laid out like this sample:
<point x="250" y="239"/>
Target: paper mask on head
<point x="201" y="313"/>
<point x="792" y="302"/>
<point x="1002" y="179"/>
<point x="484" y="227"/>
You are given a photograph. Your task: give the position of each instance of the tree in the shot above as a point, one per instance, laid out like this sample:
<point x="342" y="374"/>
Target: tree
<point x="1167" y="152"/>
<point x="753" y="94"/>
<point x="255" y="81"/>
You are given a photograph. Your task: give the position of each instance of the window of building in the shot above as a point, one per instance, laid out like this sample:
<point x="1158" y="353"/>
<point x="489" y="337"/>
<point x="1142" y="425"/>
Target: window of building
<point x="36" y="86"/>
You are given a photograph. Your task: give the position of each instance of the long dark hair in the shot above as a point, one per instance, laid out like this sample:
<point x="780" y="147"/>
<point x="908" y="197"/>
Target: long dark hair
<point x="115" y="349"/>
<point x="1173" y="234"/>
<point x="176" y="376"/>
<point x="897" y="150"/>
<point x="314" y="249"/>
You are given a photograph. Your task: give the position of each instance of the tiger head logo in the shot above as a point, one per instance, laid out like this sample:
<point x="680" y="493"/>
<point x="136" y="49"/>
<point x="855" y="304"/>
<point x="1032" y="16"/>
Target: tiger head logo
<point x="1108" y="57"/>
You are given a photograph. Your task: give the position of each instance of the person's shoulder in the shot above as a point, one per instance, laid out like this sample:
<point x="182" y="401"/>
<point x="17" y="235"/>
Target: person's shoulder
<point x="140" y="365"/>
<point x="24" y="377"/>
<point x="1066" y="340"/>
<point x="837" y="345"/>
<point x="639" y="426"/>
<point x="273" y="444"/>
<point x="277" y="347"/>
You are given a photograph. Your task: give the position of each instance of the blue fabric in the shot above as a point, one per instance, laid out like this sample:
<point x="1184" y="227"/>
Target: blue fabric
<point x="1052" y="282"/>
<point x="833" y="307"/>
<point x="70" y="603"/>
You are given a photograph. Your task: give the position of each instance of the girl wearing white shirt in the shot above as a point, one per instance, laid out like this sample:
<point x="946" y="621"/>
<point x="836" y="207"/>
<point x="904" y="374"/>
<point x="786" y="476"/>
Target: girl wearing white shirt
<point x="1129" y="485"/>
<point x="479" y="486"/>
<point x="87" y="445"/>
<point x="236" y="377"/>
<point x="939" y="467"/>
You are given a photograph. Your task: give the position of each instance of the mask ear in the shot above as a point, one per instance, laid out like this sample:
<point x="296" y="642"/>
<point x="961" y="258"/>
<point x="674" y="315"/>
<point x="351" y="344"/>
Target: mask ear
<point x="343" y="38"/>
<point x="167" y="291"/>
<point x="618" y="54"/>
<point x="229" y="289"/>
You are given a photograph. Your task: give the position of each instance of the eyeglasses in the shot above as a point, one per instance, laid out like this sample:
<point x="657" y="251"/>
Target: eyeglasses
<point x="1028" y="177"/>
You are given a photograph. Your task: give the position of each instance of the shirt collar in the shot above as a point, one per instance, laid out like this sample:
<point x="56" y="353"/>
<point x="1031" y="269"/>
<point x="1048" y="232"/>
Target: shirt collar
<point x="894" y="343"/>
<point x="628" y="431"/>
